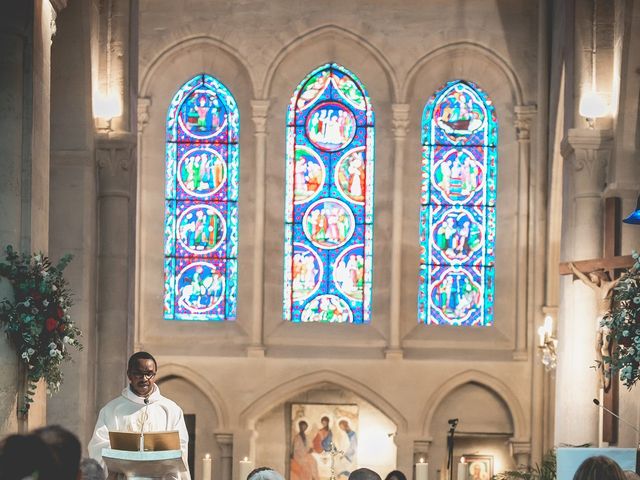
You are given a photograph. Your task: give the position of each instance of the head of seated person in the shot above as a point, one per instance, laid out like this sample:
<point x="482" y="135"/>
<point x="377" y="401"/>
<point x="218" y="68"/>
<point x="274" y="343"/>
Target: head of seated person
<point x="395" y="475"/>
<point x="364" y="474"/>
<point x="264" y="473"/>
<point x="65" y="449"/>
<point x="599" y="468"/>
<point x="25" y="457"/>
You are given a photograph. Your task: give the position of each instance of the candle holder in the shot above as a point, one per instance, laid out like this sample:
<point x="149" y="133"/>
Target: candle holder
<point x="548" y="344"/>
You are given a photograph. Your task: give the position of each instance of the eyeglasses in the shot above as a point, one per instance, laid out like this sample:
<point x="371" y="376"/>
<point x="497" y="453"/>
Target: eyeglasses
<point x="147" y="375"/>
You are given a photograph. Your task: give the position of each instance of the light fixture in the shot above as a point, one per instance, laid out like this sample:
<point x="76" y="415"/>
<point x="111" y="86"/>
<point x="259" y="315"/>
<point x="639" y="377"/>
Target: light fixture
<point x="547" y="344"/>
<point x="592" y="104"/>
<point x="106" y="107"/>
<point x="634" y="217"/>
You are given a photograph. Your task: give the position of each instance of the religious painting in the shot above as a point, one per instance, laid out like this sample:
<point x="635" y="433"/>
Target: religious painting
<point x="201" y="209"/>
<point x="478" y="467"/>
<point x="329" y="200"/>
<point x="457" y="212"/>
<point x="324" y="438"/>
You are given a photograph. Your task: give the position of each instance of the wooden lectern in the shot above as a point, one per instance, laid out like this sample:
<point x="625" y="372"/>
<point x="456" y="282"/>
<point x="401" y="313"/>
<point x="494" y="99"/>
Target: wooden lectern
<point x="143" y="464"/>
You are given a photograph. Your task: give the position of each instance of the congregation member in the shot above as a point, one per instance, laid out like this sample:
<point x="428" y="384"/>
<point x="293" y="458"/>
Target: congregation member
<point x="599" y="468"/>
<point x="140" y="408"/>
<point x="364" y="474"/>
<point x="395" y="475"/>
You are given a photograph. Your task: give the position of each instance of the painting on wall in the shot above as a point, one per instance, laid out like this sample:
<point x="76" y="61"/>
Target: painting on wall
<point x="479" y="467"/>
<point x="322" y="435"/>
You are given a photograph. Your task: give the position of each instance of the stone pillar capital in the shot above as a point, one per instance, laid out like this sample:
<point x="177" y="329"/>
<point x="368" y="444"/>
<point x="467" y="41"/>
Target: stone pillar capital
<point x="421" y="450"/>
<point x="524" y="118"/>
<point x="114" y="158"/>
<point x="589" y="151"/>
<point x="259" y="110"/>
<point x="520" y="451"/>
<point x="143" y="113"/>
<point x="225" y="441"/>
<point x="400" y="119"/>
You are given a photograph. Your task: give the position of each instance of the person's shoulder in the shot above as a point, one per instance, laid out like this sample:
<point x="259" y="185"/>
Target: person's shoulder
<point x="170" y="403"/>
<point x="112" y="403"/>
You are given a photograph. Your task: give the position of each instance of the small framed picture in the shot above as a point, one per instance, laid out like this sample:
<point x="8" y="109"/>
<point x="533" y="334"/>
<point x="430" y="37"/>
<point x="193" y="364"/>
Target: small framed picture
<point x="479" y="467"/>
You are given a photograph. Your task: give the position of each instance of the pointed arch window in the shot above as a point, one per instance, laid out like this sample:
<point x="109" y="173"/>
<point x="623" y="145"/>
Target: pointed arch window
<point x="201" y="203"/>
<point x="329" y="199"/>
<point x="457" y="214"/>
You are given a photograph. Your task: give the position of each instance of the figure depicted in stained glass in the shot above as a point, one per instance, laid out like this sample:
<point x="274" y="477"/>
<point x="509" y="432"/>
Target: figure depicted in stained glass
<point x="457" y="215"/>
<point x="329" y="195"/>
<point x="201" y="229"/>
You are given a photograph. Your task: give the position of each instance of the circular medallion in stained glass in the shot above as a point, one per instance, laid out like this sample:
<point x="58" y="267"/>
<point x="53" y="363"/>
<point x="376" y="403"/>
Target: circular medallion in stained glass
<point x="331" y="126"/>
<point x="328" y="223"/>
<point x="200" y="287"/>
<point x="201" y="229"/>
<point x="327" y="309"/>
<point x="458" y="176"/>
<point x="307" y="272"/>
<point x="350" y="175"/>
<point x="457" y="235"/>
<point x="348" y="272"/>
<point x="202" y="172"/>
<point x="456" y="296"/>
<point x="309" y="174"/>
<point x="202" y="115"/>
<point x="459" y="113"/>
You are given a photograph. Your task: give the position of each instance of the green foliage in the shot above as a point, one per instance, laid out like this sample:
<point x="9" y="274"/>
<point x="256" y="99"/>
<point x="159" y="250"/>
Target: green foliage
<point x="37" y="320"/>
<point x="547" y="470"/>
<point x="623" y="326"/>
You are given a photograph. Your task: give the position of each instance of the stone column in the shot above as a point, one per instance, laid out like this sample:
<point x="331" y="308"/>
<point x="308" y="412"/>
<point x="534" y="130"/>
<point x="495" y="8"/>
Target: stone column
<point x="421" y="454"/>
<point x="524" y="118"/>
<point x="259" y="110"/>
<point x="588" y="152"/>
<point x="225" y="442"/>
<point x="114" y="155"/>
<point x="400" y="123"/>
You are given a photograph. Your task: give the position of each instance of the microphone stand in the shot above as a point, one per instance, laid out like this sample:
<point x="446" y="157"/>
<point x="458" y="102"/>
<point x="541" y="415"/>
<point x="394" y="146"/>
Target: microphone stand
<point x="450" y="442"/>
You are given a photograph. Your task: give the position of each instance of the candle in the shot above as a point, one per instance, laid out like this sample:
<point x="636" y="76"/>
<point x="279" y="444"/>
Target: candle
<point x="422" y="470"/>
<point x="541" y="336"/>
<point x="206" y="467"/>
<point x="462" y="470"/>
<point x="246" y="466"/>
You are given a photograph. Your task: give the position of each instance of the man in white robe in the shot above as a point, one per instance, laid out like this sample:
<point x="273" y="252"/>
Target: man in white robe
<point x="140" y="407"/>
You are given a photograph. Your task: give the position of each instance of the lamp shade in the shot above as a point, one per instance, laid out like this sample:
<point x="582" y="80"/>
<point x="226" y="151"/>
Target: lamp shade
<point x="592" y="105"/>
<point x="634" y="217"/>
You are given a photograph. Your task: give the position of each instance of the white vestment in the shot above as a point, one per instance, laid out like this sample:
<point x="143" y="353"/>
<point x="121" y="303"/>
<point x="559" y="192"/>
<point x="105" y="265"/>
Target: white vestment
<point x="129" y="413"/>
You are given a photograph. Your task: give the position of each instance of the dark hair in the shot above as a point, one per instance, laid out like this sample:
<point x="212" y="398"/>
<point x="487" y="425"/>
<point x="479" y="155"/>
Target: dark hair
<point x="364" y="474"/>
<point x="257" y="470"/>
<point x="133" y="359"/>
<point x="65" y="449"/>
<point x="91" y="469"/>
<point x="24" y="455"/>
<point x="325" y="418"/>
<point x="599" y="468"/>
<point x="397" y="474"/>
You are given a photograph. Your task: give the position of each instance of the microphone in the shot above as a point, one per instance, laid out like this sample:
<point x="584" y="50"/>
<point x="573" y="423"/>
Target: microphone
<point x="146" y="400"/>
<point x="597" y="403"/>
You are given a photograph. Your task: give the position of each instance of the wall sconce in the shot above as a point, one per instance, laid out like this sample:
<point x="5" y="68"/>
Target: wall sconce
<point x="592" y="106"/>
<point x="106" y="107"/>
<point x="547" y="344"/>
<point x="634" y="217"/>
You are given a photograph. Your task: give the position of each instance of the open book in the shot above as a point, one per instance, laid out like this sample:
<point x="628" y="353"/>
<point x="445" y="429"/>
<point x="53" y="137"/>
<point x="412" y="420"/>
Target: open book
<point x="153" y="441"/>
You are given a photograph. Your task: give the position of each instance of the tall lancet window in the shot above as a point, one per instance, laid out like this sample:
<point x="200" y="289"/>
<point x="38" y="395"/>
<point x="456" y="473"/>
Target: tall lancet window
<point x="457" y="214"/>
<point x="329" y="200"/>
<point x="201" y="203"/>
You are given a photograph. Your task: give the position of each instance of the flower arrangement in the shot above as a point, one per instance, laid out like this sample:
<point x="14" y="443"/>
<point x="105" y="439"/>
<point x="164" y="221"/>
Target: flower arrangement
<point x="37" y="321"/>
<point x="623" y="324"/>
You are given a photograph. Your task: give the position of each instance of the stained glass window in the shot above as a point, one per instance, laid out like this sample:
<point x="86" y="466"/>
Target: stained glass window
<point x="457" y="214"/>
<point x="201" y="203"/>
<point x="329" y="200"/>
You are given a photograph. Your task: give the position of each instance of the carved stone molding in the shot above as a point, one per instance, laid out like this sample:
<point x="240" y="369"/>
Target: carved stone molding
<point x="421" y="450"/>
<point x="114" y="158"/>
<point x="589" y="150"/>
<point x="520" y="451"/>
<point x="143" y="113"/>
<point x="524" y="118"/>
<point x="225" y="441"/>
<point x="400" y="119"/>
<point x="259" y="110"/>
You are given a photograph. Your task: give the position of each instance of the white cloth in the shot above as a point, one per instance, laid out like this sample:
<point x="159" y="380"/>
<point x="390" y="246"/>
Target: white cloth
<point x="129" y="413"/>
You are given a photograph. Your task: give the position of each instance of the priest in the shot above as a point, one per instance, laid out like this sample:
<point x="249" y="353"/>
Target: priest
<point x="140" y="407"/>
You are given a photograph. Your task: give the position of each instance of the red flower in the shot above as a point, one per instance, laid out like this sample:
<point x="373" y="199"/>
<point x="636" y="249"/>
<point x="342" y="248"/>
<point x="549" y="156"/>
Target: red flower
<point x="61" y="327"/>
<point x="60" y="313"/>
<point x="51" y="324"/>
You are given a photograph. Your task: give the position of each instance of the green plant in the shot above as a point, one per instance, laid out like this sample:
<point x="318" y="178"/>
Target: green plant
<point x="37" y="320"/>
<point x="546" y="470"/>
<point x="623" y="326"/>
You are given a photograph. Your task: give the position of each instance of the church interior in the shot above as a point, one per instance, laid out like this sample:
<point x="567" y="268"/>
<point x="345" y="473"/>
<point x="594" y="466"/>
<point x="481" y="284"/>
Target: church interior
<point x="379" y="212"/>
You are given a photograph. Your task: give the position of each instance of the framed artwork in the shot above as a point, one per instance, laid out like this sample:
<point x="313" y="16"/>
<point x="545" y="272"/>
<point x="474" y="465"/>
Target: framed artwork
<point x="316" y="429"/>
<point x="479" y="467"/>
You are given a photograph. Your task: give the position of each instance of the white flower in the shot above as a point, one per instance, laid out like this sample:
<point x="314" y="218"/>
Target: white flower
<point x="53" y="353"/>
<point x="30" y="351"/>
<point x="25" y="355"/>
<point x="45" y="303"/>
<point x="54" y="288"/>
<point x="52" y="346"/>
<point x="66" y="339"/>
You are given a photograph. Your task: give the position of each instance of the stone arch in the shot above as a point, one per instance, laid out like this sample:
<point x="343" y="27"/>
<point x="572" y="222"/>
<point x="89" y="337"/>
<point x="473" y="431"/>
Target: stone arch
<point x="520" y="426"/>
<point x="466" y="47"/>
<point x="314" y="34"/>
<point x="298" y="385"/>
<point x="160" y="60"/>
<point x="199" y="382"/>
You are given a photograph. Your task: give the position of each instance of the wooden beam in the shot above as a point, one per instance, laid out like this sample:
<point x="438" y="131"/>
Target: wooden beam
<point x="588" y="266"/>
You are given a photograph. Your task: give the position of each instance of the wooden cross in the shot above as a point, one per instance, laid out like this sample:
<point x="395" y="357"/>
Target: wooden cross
<point x="612" y="263"/>
<point x="334" y="452"/>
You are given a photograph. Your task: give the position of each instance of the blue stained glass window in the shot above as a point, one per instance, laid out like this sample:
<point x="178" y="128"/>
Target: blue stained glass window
<point x="201" y="203"/>
<point x="457" y="212"/>
<point x="328" y="247"/>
